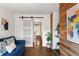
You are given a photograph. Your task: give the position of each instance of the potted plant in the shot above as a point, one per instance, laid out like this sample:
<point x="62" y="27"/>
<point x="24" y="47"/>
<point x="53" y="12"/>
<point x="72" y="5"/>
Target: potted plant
<point x="49" y="39"/>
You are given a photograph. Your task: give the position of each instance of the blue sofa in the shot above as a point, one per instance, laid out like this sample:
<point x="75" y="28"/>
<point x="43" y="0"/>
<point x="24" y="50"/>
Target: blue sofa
<point x="19" y="50"/>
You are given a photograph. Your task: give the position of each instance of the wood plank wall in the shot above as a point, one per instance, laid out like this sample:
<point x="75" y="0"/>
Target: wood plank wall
<point x="67" y="48"/>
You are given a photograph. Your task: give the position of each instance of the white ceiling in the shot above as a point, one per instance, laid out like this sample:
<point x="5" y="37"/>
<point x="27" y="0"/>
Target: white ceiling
<point x="32" y="8"/>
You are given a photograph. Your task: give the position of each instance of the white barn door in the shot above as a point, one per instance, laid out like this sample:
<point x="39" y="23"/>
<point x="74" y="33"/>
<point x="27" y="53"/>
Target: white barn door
<point x="28" y="31"/>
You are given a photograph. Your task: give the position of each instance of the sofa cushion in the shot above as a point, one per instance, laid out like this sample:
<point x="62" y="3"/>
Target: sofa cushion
<point x="16" y="52"/>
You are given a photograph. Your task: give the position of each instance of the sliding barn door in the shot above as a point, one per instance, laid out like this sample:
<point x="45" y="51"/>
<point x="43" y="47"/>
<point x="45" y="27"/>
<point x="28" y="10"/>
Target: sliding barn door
<point x="28" y="31"/>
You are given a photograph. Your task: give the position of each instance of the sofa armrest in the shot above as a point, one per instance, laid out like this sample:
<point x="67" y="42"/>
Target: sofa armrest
<point x="20" y="41"/>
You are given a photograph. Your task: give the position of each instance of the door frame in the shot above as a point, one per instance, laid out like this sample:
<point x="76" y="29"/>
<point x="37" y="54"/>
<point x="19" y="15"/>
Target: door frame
<point x="51" y="28"/>
<point x="40" y="32"/>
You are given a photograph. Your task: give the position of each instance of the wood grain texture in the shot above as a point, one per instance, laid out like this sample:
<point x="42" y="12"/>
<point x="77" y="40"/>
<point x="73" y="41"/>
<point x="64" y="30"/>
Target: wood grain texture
<point x="51" y="22"/>
<point x="51" y="26"/>
<point x="39" y="51"/>
<point x="67" y="48"/>
<point x="70" y="48"/>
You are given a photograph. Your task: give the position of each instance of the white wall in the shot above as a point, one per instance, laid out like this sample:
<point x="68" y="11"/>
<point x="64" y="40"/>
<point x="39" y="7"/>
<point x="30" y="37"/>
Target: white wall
<point x="9" y="15"/>
<point x="45" y="25"/>
<point x="18" y="27"/>
<point x="55" y="23"/>
<point x="45" y="28"/>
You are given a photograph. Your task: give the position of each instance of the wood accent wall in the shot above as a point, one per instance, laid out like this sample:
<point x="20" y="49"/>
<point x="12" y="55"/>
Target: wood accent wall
<point x="67" y="48"/>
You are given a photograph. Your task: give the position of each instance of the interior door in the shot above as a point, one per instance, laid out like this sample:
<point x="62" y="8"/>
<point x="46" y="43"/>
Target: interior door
<point x="28" y="31"/>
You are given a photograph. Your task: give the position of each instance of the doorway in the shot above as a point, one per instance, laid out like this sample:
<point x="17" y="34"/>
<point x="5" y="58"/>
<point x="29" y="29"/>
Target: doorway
<point x="37" y="34"/>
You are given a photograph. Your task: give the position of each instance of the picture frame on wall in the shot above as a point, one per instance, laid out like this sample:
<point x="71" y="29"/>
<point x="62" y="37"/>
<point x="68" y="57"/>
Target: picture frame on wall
<point x="4" y="23"/>
<point x="73" y="24"/>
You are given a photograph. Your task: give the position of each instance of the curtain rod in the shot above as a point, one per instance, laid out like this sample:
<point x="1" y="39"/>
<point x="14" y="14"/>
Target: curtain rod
<point x="30" y="17"/>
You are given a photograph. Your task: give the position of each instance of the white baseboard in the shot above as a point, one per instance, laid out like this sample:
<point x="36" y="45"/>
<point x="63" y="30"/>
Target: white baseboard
<point x="28" y="45"/>
<point x="44" y="45"/>
<point x="31" y="45"/>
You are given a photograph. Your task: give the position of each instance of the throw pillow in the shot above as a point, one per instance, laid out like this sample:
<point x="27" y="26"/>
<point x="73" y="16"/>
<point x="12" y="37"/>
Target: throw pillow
<point x="9" y="41"/>
<point x="5" y="42"/>
<point x="2" y="48"/>
<point x="10" y="47"/>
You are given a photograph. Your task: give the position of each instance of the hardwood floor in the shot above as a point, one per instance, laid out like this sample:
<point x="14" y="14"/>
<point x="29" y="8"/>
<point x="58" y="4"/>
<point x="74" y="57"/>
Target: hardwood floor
<point x="39" y="51"/>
